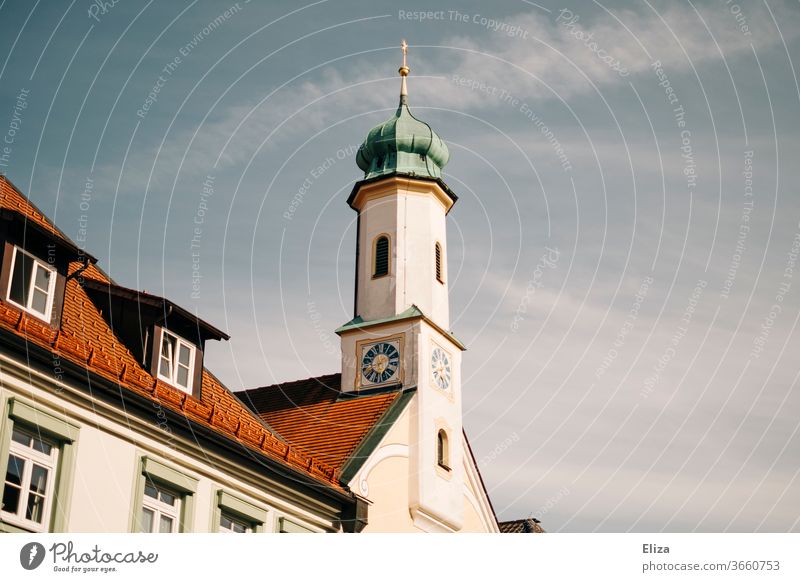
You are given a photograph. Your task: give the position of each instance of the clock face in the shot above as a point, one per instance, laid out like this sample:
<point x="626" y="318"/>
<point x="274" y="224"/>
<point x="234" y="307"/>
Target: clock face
<point x="380" y="362"/>
<point x="440" y="368"/>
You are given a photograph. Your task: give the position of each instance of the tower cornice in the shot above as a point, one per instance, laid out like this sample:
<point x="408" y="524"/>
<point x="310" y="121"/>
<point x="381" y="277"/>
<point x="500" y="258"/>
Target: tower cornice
<point x="364" y="190"/>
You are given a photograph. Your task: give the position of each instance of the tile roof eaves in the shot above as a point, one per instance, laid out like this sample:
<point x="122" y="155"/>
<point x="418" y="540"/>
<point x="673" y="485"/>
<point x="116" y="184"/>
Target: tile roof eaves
<point x="31" y="331"/>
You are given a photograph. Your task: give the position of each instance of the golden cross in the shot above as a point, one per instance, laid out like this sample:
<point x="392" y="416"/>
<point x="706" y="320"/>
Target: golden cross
<point x="404" y="47"/>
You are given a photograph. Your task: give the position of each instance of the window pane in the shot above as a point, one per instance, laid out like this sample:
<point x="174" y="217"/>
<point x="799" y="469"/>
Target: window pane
<point x="166" y="368"/>
<point x="13" y="489"/>
<point x="21" y="437"/>
<point x="39" y="301"/>
<point x="165" y="365"/>
<point x="165" y="524"/>
<point x="41" y="446"/>
<point x="150" y="490"/>
<point x="11" y="498"/>
<point x="39" y="480"/>
<point x="16" y="467"/>
<point x="35" y="510"/>
<point x="167" y="498"/>
<point x="147" y="520"/>
<point x="228" y="524"/>
<point x="42" y="280"/>
<point x="184" y="354"/>
<point x="21" y="278"/>
<point x="183" y="376"/>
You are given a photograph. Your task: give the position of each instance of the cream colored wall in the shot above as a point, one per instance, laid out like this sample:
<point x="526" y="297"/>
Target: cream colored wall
<point x="107" y="452"/>
<point x="384" y="480"/>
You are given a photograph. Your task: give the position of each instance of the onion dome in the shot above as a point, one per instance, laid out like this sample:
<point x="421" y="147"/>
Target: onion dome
<point x="403" y="144"/>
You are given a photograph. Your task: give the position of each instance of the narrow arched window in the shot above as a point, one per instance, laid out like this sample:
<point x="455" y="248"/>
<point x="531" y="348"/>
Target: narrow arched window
<point x="381" y="254"/>
<point x="442" y="452"/>
<point x="438" y="251"/>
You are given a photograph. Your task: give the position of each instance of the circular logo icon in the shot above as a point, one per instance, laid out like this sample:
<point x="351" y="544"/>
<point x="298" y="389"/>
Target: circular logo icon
<point x="31" y="555"/>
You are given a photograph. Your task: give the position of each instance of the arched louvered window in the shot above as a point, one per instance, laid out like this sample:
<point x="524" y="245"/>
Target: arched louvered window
<point x="442" y="452"/>
<point x="381" y="256"/>
<point x="439" y="274"/>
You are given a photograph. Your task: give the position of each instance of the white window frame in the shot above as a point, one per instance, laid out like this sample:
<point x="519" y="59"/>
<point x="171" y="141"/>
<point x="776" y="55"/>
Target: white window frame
<point x="31" y="456"/>
<point x="37" y="264"/>
<point x="161" y="508"/>
<point x="173" y="379"/>
<point x="248" y="527"/>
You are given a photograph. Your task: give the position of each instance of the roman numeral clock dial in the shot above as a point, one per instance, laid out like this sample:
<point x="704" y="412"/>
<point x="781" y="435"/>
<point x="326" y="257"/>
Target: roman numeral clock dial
<point x="380" y="363"/>
<point x="441" y="369"/>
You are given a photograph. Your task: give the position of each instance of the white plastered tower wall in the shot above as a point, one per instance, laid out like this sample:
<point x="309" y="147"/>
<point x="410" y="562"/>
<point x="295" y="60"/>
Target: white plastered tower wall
<point x="412" y="213"/>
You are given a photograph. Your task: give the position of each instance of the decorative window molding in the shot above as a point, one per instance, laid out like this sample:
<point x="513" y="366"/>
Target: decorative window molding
<point x="31" y="284"/>
<point x="176" y="361"/>
<point x="443" y="450"/>
<point x="155" y="483"/>
<point x="235" y="515"/>
<point x="381" y="256"/>
<point x="438" y="260"/>
<point x="161" y="509"/>
<point x="286" y="525"/>
<point x="30" y="437"/>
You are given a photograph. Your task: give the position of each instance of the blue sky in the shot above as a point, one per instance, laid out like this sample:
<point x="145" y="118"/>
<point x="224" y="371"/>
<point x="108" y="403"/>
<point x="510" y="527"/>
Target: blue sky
<point x="639" y="378"/>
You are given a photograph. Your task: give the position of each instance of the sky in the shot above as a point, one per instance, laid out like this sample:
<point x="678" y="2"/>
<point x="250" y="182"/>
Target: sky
<point x="623" y="255"/>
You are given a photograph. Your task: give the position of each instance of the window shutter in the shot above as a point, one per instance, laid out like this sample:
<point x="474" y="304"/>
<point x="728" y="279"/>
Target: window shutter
<point x="197" y="382"/>
<point x="381" y="256"/>
<point x="155" y="351"/>
<point x="439" y="263"/>
<point x="58" y="300"/>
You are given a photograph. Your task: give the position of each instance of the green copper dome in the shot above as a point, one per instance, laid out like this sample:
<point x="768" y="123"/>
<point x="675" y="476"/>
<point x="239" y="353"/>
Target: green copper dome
<point x="403" y="145"/>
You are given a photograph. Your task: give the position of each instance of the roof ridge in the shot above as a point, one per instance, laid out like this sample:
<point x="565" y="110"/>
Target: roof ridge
<point x="50" y="223"/>
<point x="283" y="385"/>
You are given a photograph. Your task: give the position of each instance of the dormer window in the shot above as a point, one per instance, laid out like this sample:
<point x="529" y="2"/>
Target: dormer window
<point x="31" y="285"/>
<point x="176" y="361"/>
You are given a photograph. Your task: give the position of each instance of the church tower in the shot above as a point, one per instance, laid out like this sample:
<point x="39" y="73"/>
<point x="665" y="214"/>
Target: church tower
<point x="399" y="338"/>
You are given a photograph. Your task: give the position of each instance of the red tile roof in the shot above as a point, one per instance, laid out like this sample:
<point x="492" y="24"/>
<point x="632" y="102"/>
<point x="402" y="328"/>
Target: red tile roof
<point x="85" y="338"/>
<point x="315" y="416"/>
